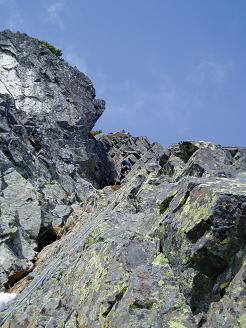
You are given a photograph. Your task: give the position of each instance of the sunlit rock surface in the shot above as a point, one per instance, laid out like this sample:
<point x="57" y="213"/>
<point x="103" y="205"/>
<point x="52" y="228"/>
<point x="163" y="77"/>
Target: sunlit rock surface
<point x="164" y="250"/>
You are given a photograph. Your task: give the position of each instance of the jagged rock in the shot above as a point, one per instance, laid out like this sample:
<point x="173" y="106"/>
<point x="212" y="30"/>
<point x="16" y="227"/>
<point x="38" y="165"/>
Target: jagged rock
<point x="120" y="145"/>
<point x="48" y="158"/>
<point x="20" y="225"/>
<point x="166" y="248"/>
<point x="158" y="254"/>
<point x="202" y="233"/>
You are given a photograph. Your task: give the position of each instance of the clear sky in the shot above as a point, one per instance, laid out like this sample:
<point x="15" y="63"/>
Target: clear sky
<point x="168" y="69"/>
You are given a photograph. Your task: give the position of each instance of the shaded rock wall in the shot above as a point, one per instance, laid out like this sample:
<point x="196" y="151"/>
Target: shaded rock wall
<point x="48" y="158"/>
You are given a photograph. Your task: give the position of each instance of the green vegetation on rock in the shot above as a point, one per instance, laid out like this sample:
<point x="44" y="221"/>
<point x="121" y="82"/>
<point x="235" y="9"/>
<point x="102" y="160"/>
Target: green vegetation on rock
<point x="53" y="49"/>
<point x="242" y="321"/>
<point x="94" y="133"/>
<point x="224" y="285"/>
<point x="160" y="260"/>
<point x="176" y="324"/>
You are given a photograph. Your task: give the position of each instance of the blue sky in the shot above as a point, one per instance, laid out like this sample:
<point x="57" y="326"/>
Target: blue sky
<point x="168" y="69"/>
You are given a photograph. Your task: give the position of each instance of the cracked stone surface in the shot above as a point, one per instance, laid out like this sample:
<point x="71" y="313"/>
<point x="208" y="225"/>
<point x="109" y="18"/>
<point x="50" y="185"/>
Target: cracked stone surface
<point x="49" y="161"/>
<point x="167" y="250"/>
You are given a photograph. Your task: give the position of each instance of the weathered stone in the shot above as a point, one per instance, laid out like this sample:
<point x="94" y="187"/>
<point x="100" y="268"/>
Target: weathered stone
<point x="161" y="255"/>
<point x="120" y="145"/>
<point x="166" y="248"/>
<point x="48" y="159"/>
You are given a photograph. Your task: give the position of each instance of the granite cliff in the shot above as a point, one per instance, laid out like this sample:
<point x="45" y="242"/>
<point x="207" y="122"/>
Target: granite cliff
<point x="166" y="248"/>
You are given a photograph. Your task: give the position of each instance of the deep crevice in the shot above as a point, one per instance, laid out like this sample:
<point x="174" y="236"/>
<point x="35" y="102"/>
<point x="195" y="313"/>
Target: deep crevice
<point x="183" y="201"/>
<point x="47" y="235"/>
<point x="16" y="277"/>
<point x="163" y="206"/>
<point x="199" y="230"/>
<point x="187" y="149"/>
<point x="138" y="304"/>
<point x="212" y="285"/>
<point x="116" y="300"/>
<point x="133" y="195"/>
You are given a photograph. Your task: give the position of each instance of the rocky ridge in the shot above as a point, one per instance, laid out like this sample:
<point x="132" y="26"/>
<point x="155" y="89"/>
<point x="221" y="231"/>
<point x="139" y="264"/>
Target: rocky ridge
<point x="121" y="145"/>
<point x="166" y="248"/>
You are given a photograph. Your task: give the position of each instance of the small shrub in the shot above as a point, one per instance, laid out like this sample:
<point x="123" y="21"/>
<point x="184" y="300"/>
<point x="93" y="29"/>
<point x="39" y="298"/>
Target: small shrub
<point x="94" y="133"/>
<point x="53" y="49"/>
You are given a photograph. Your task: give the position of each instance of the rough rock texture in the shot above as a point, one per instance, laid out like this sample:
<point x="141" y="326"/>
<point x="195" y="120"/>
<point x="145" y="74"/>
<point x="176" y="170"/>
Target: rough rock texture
<point x="120" y="145"/>
<point x="167" y="249"/>
<point x="48" y="158"/>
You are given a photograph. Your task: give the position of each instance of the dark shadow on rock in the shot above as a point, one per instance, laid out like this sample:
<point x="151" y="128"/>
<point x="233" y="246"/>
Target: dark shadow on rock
<point x="47" y="235"/>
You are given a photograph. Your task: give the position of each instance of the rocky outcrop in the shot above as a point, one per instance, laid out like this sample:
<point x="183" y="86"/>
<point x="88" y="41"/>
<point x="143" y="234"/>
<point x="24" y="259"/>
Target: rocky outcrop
<point x="121" y="145"/>
<point x="167" y="249"/>
<point x="49" y="161"/>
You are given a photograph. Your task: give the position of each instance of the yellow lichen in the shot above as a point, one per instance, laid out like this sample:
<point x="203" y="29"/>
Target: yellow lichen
<point x="242" y="321"/>
<point x="160" y="260"/>
<point x="176" y="324"/>
<point x="224" y="285"/>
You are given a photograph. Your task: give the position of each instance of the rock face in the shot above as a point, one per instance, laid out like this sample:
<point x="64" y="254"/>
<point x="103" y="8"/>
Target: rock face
<point x="48" y="158"/>
<point x="120" y="145"/>
<point x="167" y="249"/>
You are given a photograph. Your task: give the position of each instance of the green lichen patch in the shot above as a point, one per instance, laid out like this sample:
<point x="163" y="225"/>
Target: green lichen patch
<point x="94" y="237"/>
<point x="224" y="285"/>
<point x="176" y="324"/>
<point x="160" y="260"/>
<point x="198" y="209"/>
<point x="242" y="321"/>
